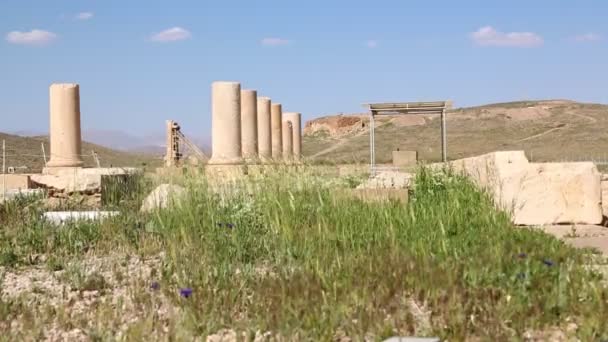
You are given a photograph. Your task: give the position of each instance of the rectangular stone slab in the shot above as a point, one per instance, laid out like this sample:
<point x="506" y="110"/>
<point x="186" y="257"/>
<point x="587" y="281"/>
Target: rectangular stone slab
<point x="405" y="158"/>
<point x="555" y="193"/>
<point x="376" y="195"/>
<point x="537" y="193"/>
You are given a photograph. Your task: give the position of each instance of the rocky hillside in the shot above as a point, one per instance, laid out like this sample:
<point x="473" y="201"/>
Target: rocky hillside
<point x="25" y="154"/>
<point x="546" y="130"/>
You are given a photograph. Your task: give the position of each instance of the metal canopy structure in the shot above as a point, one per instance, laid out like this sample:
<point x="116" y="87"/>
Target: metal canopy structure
<point x="404" y="108"/>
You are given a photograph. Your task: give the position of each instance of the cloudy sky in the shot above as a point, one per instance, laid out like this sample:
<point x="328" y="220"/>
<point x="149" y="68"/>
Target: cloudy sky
<point x="141" y="62"/>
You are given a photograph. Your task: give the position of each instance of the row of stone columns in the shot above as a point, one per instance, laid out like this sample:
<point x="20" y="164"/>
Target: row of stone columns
<point x="248" y="128"/>
<point x="245" y="127"/>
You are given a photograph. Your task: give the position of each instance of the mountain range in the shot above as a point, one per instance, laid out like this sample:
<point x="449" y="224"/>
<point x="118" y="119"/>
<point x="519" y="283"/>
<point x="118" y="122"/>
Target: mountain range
<point x="153" y="143"/>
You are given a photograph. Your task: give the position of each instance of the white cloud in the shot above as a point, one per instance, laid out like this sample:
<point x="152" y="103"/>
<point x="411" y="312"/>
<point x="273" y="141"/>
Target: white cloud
<point x="274" y="41"/>
<point x="488" y="36"/>
<point x="171" y="35"/>
<point x="371" y="44"/>
<point x="588" y="37"/>
<point x="34" y="37"/>
<point x="84" y="15"/>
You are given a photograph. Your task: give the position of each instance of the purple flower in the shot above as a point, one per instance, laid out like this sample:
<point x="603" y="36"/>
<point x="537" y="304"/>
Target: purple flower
<point x="185" y="292"/>
<point x="522" y="255"/>
<point x="155" y="285"/>
<point x="229" y="225"/>
<point x="548" y="262"/>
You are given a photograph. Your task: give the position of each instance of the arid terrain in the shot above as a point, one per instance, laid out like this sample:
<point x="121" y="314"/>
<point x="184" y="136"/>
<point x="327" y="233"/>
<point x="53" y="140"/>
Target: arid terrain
<point x="292" y="251"/>
<point x="27" y="151"/>
<point x="552" y="130"/>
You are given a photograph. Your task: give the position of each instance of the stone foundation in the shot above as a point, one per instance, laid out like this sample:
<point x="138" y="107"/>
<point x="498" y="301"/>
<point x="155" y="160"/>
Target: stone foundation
<point x="15" y="181"/>
<point x="62" y="183"/>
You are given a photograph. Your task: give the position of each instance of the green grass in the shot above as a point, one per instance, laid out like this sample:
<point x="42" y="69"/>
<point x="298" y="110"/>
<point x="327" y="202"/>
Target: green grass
<point x="307" y="265"/>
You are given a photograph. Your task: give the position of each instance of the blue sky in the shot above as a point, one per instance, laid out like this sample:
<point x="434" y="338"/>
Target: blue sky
<point x="141" y="62"/>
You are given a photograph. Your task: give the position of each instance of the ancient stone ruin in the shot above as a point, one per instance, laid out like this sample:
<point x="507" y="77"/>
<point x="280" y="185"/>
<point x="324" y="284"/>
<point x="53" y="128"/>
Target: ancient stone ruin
<point x="64" y="174"/>
<point x="538" y="193"/>
<point x="264" y="129"/>
<point x="248" y="130"/>
<point x="64" y="133"/>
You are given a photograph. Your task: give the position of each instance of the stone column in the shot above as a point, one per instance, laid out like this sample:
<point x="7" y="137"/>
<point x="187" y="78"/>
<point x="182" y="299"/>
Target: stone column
<point x="276" y="113"/>
<point x="264" y="130"/>
<point x="64" y="133"/>
<point x="296" y="126"/>
<point x="249" y="125"/>
<point x="287" y="140"/>
<point x="226" y="123"/>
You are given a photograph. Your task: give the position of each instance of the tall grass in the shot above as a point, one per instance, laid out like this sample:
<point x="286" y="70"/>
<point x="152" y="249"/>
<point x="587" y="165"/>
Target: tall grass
<point x="284" y="253"/>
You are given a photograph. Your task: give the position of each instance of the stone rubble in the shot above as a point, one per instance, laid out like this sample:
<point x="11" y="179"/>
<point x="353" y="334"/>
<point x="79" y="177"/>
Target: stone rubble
<point x="388" y="180"/>
<point x="162" y="197"/>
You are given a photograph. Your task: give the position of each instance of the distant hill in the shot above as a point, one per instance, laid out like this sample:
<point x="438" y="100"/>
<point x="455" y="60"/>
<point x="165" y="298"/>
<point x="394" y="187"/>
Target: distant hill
<point x="27" y="151"/>
<point x="153" y="144"/>
<point x="119" y="140"/>
<point x="550" y="130"/>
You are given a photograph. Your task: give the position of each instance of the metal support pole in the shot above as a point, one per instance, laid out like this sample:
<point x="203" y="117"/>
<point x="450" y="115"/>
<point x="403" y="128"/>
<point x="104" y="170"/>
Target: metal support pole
<point x="3" y="170"/>
<point x="372" y="144"/>
<point x="43" y="153"/>
<point x="444" y="140"/>
<point x="96" y="158"/>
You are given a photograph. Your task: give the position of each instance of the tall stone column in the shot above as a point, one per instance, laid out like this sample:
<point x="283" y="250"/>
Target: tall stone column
<point x="264" y="130"/>
<point x="296" y="126"/>
<point x="226" y="123"/>
<point x="287" y="140"/>
<point x="249" y="125"/>
<point x="65" y="136"/>
<point x="276" y="114"/>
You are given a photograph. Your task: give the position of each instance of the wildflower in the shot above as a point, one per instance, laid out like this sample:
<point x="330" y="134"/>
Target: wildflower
<point x="522" y="255"/>
<point x="230" y="225"/>
<point x="185" y="292"/>
<point x="155" y="285"/>
<point x="548" y="262"/>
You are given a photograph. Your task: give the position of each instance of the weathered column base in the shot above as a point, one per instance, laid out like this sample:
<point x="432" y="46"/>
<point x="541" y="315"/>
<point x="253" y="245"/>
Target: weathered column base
<point x="62" y="170"/>
<point x="64" y="164"/>
<point x="252" y="161"/>
<point x="225" y="172"/>
<point x="270" y="168"/>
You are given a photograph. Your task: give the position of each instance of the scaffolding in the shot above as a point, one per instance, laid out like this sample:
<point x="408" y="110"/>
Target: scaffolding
<point x="175" y="140"/>
<point x="406" y="108"/>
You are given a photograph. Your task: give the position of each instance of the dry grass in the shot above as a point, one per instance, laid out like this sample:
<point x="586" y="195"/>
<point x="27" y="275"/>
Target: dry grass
<point x="27" y="151"/>
<point x="569" y="130"/>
